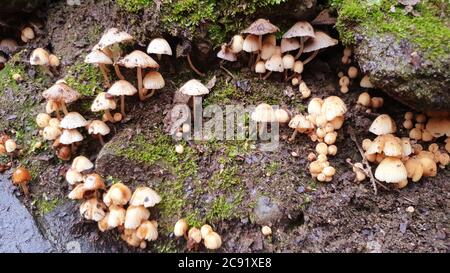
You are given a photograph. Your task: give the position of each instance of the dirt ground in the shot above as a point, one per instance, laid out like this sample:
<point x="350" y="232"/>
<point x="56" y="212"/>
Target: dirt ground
<point x="235" y="187"/>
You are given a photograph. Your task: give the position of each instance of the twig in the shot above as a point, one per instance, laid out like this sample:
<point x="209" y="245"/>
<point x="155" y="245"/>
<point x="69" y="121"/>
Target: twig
<point x="227" y="71"/>
<point x="193" y="67"/>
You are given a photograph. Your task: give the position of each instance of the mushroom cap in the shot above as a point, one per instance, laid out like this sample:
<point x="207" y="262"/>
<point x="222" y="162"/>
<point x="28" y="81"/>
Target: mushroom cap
<point x="261" y="27"/>
<point x="270" y="39"/>
<point x="98" y="127"/>
<point x="70" y="136"/>
<point x="10" y="145"/>
<point x="408" y="2"/>
<point x="194" y="88"/>
<point x="60" y="91"/>
<point x="159" y="46"/>
<point x="251" y="43"/>
<point x="103" y="102"/>
<point x="81" y="164"/>
<point x="122" y="88"/>
<point x="300" y="122"/>
<point x="153" y="80"/>
<point x="315" y="106"/>
<point x="260" y="67"/>
<point x="118" y="194"/>
<point x="321" y="40"/>
<point x="205" y="229"/>
<point x="263" y="113"/>
<point x="438" y="126"/>
<point x="116" y="216"/>
<point x="281" y="115"/>
<point x="236" y="43"/>
<point x="97" y="57"/>
<point x="383" y="125"/>
<point x="226" y="54"/>
<point x="212" y="240"/>
<point x="93" y="209"/>
<point x="147" y="230"/>
<point x="51" y="133"/>
<point x="135" y="215"/>
<point x="144" y="196"/>
<point x="393" y="146"/>
<point x="391" y="170"/>
<point x="300" y="29"/>
<point x="78" y="192"/>
<point x="332" y="107"/>
<point x="138" y="58"/>
<point x="288" y="61"/>
<point x="21" y="175"/>
<point x="94" y="181"/>
<point x="73" y="120"/>
<point x="113" y="36"/>
<point x="195" y="235"/>
<point x="180" y="228"/>
<point x="365" y="82"/>
<point x="267" y="51"/>
<point x="73" y="177"/>
<point x="298" y="67"/>
<point x="39" y="56"/>
<point x="275" y="63"/>
<point x="289" y="44"/>
<point x="414" y="169"/>
<point x="9" y="45"/>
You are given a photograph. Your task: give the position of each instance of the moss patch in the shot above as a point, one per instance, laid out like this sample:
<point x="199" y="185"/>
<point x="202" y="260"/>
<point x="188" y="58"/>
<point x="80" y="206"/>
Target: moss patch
<point x="134" y="5"/>
<point x="429" y="31"/>
<point x="84" y="78"/>
<point x="45" y="205"/>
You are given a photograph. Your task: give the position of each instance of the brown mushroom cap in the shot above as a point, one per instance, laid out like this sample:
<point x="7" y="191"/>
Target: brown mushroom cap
<point x="21" y="175"/>
<point x="138" y="58"/>
<point x="39" y="56"/>
<point x="438" y="126"/>
<point x="60" y="91"/>
<point x="93" y="209"/>
<point x="122" y="88"/>
<point x="300" y="29"/>
<point x="321" y="40"/>
<point x="261" y="27"/>
<point x="94" y="181"/>
<point x="147" y="231"/>
<point x="251" y="43"/>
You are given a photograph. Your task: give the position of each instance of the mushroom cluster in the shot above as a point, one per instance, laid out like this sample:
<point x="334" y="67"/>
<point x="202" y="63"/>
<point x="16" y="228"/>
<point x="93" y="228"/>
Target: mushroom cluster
<point x="116" y="207"/>
<point x="400" y="159"/>
<point x="194" y="236"/>
<point x="367" y="103"/>
<point x="46" y="61"/>
<point x="267" y="57"/>
<point x="7" y="147"/>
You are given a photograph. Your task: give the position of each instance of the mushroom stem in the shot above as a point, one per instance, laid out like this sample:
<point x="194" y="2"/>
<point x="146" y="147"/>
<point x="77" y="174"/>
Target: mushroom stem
<point x="24" y="188"/>
<point x="58" y="115"/>
<point x="105" y="75"/>
<point x="73" y="148"/>
<point x="139" y="80"/>
<point x="267" y="75"/>
<point x="146" y="96"/>
<point x="285" y="75"/>
<point x="193" y="67"/>
<point x="159" y="56"/>
<point x="47" y="71"/>
<point x="109" y="116"/>
<point x="294" y="134"/>
<point x="311" y="57"/>
<point x="118" y="73"/>
<point x="258" y="57"/>
<point x="227" y="71"/>
<point x="122" y="105"/>
<point x="250" y="60"/>
<point x="300" y="50"/>
<point x="64" y="108"/>
<point x="100" y="138"/>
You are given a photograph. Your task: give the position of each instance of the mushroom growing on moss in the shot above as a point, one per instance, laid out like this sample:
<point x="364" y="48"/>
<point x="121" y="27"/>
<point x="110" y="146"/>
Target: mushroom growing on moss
<point x="40" y="57"/>
<point x="180" y="228"/>
<point x="153" y="80"/>
<point x="122" y="88"/>
<point x="194" y="88"/>
<point x="99" y="58"/>
<point x="144" y="196"/>
<point x="159" y="46"/>
<point x="104" y="102"/>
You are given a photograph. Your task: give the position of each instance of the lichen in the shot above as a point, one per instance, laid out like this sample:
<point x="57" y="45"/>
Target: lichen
<point x="428" y="31"/>
<point x="134" y="5"/>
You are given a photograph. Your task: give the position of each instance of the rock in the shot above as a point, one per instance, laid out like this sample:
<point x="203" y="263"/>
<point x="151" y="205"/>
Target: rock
<point x="266" y="212"/>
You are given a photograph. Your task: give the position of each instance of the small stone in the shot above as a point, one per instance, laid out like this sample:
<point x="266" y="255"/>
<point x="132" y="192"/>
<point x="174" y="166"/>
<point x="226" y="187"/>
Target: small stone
<point x="294" y="154"/>
<point x="410" y="209"/>
<point x="266" y="230"/>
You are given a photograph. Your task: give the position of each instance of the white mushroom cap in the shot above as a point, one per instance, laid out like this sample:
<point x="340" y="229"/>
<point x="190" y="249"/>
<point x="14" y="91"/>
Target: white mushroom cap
<point x="260" y="67"/>
<point x="195" y="235"/>
<point x="73" y="177"/>
<point x="81" y="164"/>
<point x="39" y="56"/>
<point x="122" y="88"/>
<point x="180" y="228"/>
<point x="261" y="27"/>
<point x="301" y="123"/>
<point x="275" y="63"/>
<point x="73" y="120"/>
<point x="42" y="120"/>
<point x="288" y="61"/>
<point x="289" y="44"/>
<point x="102" y="102"/>
<point x="281" y="115"/>
<point x="118" y="194"/>
<point x="60" y="91"/>
<point x="391" y="170"/>
<point x="93" y="209"/>
<point x="10" y="145"/>
<point x="138" y="58"/>
<point x="144" y="196"/>
<point x="159" y="46"/>
<point x="315" y="106"/>
<point x="116" y="216"/>
<point x="298" y="67"/>
<point x="135" y="215"/>
<point x="51" y="133"/>
<point x="365" y="82"/>
<point x="300" y="29"/>
<point x="153" y="80"/>
<point x="98" y="127"/>
<point x="148" y="230"/>
<point x="251" y="43"/>
<point x="113" y="36"/>
<point x="226" y="54"/>
<point x="97" y="57"/>
<point x="212" y="240"/>
<point x="383" y="125"/>
<point x="332" y="107"/>
<point x="77" y="193"/>
<point x="70" y="136"/>
<point x="236" y="44"/>
<point x="263" y="113"/>
<point x="322" y="40"/>
<point x="194" y="88"/>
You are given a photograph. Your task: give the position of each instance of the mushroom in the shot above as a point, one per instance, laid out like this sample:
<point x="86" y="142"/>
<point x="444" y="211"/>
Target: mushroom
<point x="288" y="64"/>
<point x="289" y="44"/>
<point x="144" y="196"/>
<point x="315" y="107"/>
<point x="63" y="153"/>
<point x="438" y="127"/>
<point x="180" y="228"/>
<point x="27" y="34"/>
<point x="236" y="44"/>
<point x="391" y="170"/>
<point x="94" y="182"/>
<point x="194" y="88"/>
<point x="21" y="176"/>
<point x="266" y="231"/>
<point x="42" y="120"/>
<point x="267" y="51"/>
<point x="274" y="63"/>
<point x="428" y="165"/>
<point x="104" y="102"/>
<point x="61" y="93"/>
<point x="281" y="116"/>
<point x="260" y="68"/>
<point x="304" y="90"/>
<point x="364" y="99"/>
<point x="99" y="58"/>
<point x="251" y="45"/>
<point x="130" y="236"/>
<point x="212" y="240"/>
<point x="8" y="45"/>
<point x="73" y="176"/>
<point x="382" y="125"/>
<point x="414" y="169"/>
<point x="300" y="124"/>
<point x="116" y="216"/>
<point x="260" y="27"/>
<point x="365" y="82"/>
<point x="70" y="137"/>
<point x="53" y="61"/>
<point x="352" y="72"/>
<point x="81" y="164"/>
<point x="53" y="106"/>
<point x="118" y="194"/>
<point x="139" y="60"/>
<point x="153" y="80"/>
<point x="333" y="107"/>
<point x="344" y="82"/>
<point x="263" y="114"/>
<point x="93" y="209"/>
<point x="226" y="54"/>
<point x="179" y="149"/>
<point x="73" y="120"/>
<point x="40" y="57"/>
<point x="10" y="147"/>
<point x="320" y="41"/>
<point x="205" y="229"/>
<point x="135" y="215"/>
<point x="99" y="129"/>
<point x="302" y="30"/>
<point x="148" y="230"/>
<point x="159" y="46"/>
<point x="78" y="192"/>
<point x="194" y="238"/>
<point x="122" y="88"/>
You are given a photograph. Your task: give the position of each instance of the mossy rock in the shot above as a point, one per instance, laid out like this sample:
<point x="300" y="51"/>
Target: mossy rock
<point x="405" y="55"/>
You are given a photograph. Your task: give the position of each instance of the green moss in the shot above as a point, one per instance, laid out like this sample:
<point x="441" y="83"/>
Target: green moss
<point x="45" y="205"/>
<point x="223" y="94"/>
<point x="84" y="78"/>
<point x="133" y="5"/>
<point x="222" y="209"/>
<point x="429" y="31"/>
<point x="6" y="77"/>
<point x="272" y="168"/>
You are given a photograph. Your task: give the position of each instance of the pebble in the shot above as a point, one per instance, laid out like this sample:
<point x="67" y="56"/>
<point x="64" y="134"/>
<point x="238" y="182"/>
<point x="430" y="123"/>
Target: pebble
<point x="410" y="209"/>
<point x="294" y="154"/>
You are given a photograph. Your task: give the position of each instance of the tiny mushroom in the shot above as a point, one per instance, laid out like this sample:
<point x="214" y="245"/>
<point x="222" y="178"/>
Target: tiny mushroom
<point x="302" y="30"/>
<point x="159" y="46"/>
<point x="21" y="176"/>
<point x="382" y="125"/>
<point x="148" y="230"/>
<point x="144" y="196"/>
<point x="104" y="102"/>
<point x="70" y="137"/>
<point x="62" y="94"/>
<point x="153" y="80"/>
<point x="98" y="128"/>
<point x="93" y="209"/>
<point x="118" y="194"/>
<point x="212" y="240"/>
<point x="194" y="88"/>
<point x="122" y="88"/>
<point x="236" y="44"/>
<point x="274" y="63"/>
<point x="101" y="59"/>
<point x="135" y="215"/>
<point x="391" y="170"/>
<point x="81" y="164"/>
<point x="300" y="124"/>
<point x="259" y="28"/>
<point x="365" y="82"/>
<point x="180" y="228"/>
<point x="40" y="57"/>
